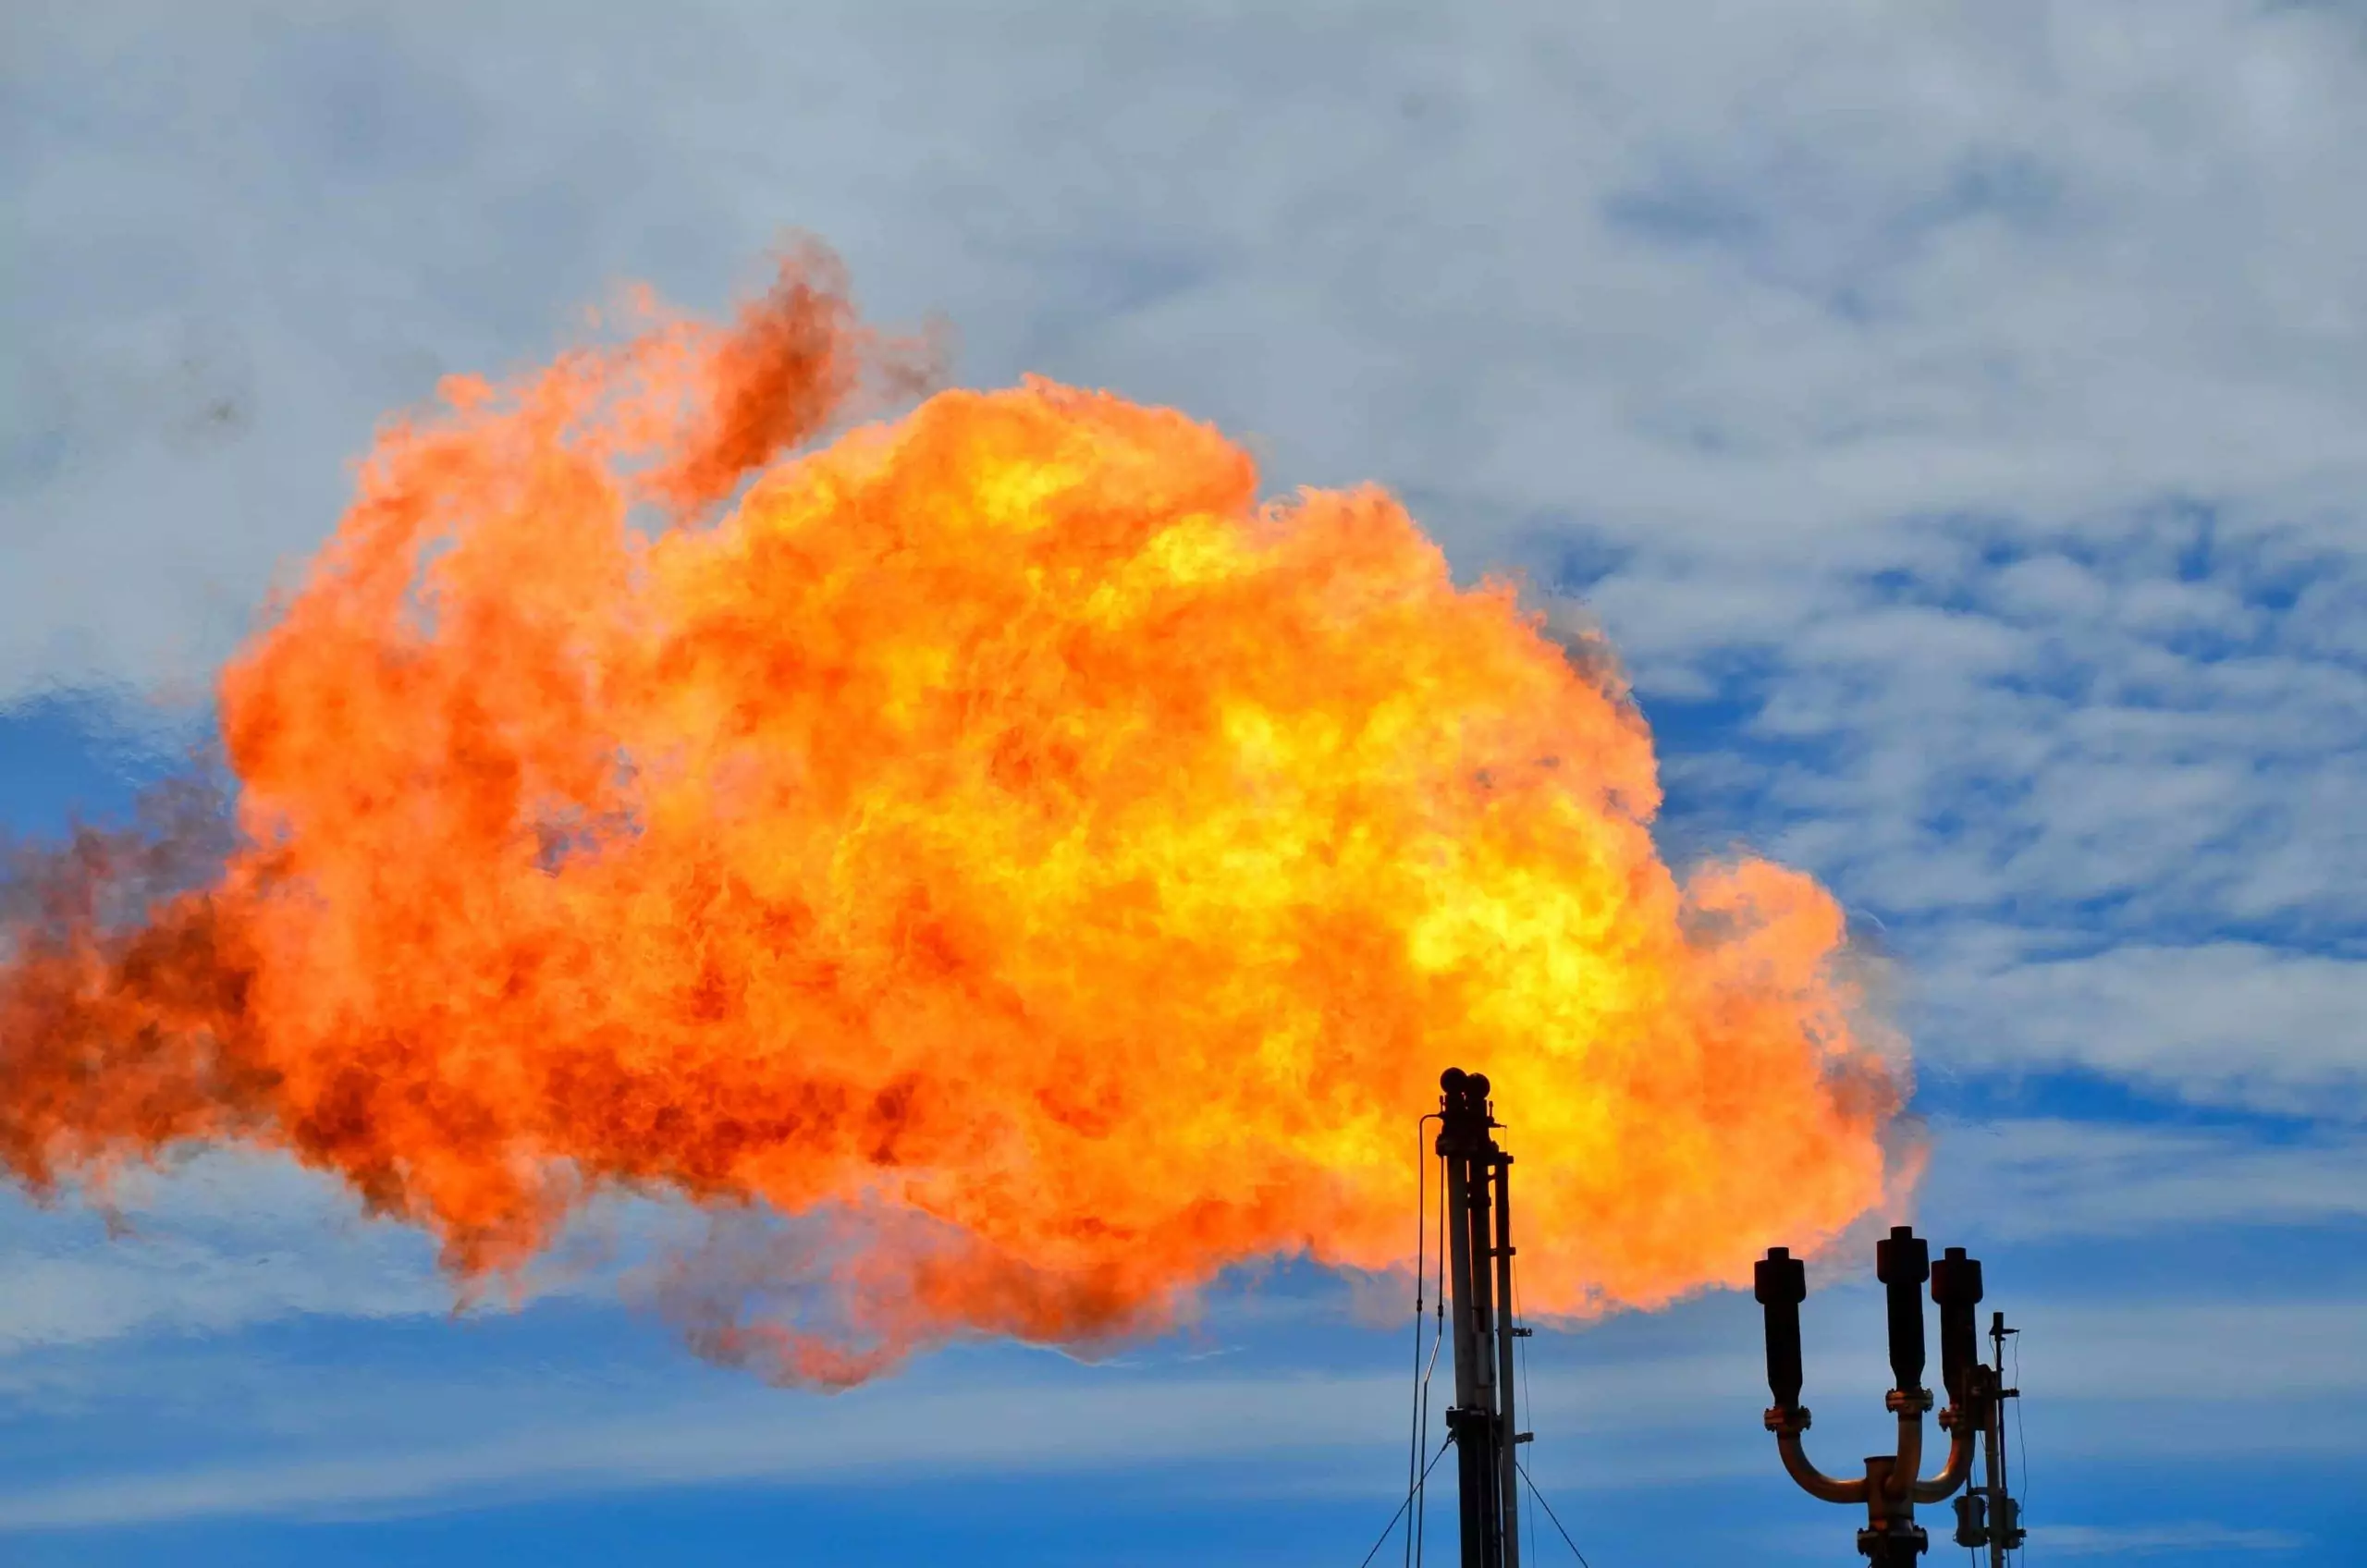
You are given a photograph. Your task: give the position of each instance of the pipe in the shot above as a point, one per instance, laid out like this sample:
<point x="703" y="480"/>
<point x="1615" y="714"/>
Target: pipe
<point x="1890" y="1487"/>
<point x="1781" y="1283"/>
<point x="1813" y="1481"/>
<point x="1960" y="1465"/>
<point x="1508" y="1427"/>
<point x="1479" y="1153"/>
<point x="1469" y="1450"/>
<point x="1902" y="1261"/>
<point x="1956" y="1287"/>
<point x="1469" y="1153"/>
<point x="1901" y="1486"/>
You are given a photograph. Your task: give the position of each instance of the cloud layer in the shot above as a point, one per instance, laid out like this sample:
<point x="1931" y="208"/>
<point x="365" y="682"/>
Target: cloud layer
<point x="1956" y="414"/>
<point x="1969" y="399"/>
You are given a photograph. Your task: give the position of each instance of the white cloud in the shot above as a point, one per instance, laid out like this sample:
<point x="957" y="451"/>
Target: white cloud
<point x="1640" y="1403"/>
<point x="1974" y="393"/>
<point x="1739" y="287"/>
<point x="1760" y="302"/>
<point x="2105" y="791"/>
<point x="2148" y="1540"/>
<point x="226" y="1242"/>
<point x="2229" y="1022"/>
<point x="1011" y="1428"/>
<point x="2021" y="1180"/>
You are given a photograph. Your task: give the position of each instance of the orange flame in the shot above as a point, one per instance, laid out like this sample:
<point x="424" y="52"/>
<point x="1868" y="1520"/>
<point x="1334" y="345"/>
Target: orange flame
<point x="998" y="829"/>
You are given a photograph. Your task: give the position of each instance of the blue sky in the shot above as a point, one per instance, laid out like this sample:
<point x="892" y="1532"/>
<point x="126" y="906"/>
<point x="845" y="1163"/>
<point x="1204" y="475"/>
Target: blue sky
<point x="1957" y="414"/>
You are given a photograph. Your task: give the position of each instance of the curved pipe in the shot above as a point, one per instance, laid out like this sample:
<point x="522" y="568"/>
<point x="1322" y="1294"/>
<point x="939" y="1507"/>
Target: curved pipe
<point x="1813" y="1481"/>
<point x="1901" y="1485"/>
<point x="1952" y="1475"/>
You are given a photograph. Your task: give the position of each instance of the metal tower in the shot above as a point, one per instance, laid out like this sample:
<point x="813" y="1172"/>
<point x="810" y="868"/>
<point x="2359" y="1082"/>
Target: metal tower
<point x="1479" y="1263"/>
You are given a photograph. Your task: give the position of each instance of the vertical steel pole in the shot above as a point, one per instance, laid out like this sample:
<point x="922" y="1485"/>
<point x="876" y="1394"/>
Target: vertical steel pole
<point x="1508" y="1427"/>
<point x="2004" y="1532"/>
<point x="1477" y="1418"/>
<point x="1484" y="1391"/>
<point x="1453" y="1134"/>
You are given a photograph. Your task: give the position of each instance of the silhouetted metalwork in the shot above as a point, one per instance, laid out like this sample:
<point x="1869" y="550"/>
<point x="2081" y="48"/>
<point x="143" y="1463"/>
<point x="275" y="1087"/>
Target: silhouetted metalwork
<point x="1479" y="1261"/>
<point x="1892" y="1485"/>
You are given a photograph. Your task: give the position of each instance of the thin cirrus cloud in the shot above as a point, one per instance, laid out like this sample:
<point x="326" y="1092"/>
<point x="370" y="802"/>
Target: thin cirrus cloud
<point x="2151" y="1540"/>
<point x="2044" y="1179"/>
<point x="1640" y="1404"/>
<point x="231" y="1241"/>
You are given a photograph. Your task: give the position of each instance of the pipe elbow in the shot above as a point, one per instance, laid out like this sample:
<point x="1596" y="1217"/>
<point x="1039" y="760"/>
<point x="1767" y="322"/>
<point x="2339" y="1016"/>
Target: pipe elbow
<point x="1952" y="1475"/>
<point x="1810" y="1479"/>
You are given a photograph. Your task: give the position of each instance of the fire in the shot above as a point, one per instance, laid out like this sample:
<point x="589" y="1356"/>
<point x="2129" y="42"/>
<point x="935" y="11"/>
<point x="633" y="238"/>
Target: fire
<point x="996" y="830"/>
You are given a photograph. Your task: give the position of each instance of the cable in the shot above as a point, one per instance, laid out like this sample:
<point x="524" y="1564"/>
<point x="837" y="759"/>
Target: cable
<point x="2022" y="1443"/>
<point x="1520" y="1351"/>
<point x="1387" y="1530"/>
<point x="1421" y="1493"/>
<point x="1421" y="1234"/>
<point x="1551" y="1515"/>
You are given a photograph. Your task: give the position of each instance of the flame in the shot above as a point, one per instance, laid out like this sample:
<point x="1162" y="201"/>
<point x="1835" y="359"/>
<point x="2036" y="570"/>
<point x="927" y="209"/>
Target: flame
<point x="996" y="830"/>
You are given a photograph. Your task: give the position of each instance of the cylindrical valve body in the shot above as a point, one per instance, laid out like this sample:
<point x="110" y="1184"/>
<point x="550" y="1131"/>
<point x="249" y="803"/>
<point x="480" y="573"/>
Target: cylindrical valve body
<point x="1956" y="1286"/>
<point x="1781" y="1283"/>
<point x="1902" y="1261"/>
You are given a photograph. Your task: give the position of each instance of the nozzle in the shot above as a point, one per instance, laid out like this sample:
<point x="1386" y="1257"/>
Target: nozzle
<point x="1781" y="1283"/>
<point x="1902" y="1261"/>
<point x="1464" y="1093"/>
<point x="1956" y="1287"/>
